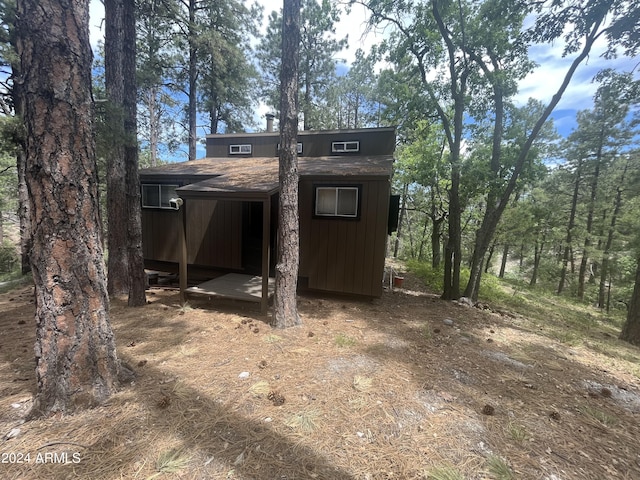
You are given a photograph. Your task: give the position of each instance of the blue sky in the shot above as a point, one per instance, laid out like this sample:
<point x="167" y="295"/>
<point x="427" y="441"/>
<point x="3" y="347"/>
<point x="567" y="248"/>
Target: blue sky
<point x="541" y="84"/>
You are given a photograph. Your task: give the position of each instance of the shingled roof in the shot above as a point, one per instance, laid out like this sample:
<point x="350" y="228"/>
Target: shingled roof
<point x="259" y="175"/>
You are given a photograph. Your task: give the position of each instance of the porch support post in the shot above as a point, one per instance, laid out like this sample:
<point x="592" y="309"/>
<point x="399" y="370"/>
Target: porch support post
<point x="266" y="252"/>
<point x="183" y="255"/>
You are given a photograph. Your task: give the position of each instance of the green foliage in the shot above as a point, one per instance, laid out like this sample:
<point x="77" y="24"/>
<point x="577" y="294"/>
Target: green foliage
<point x="9" y="257"/>
<point x="343" y="340"/>
<point x="317" y="67"/>
<point x="499" y="469"/>
<point x="444" y="472"/>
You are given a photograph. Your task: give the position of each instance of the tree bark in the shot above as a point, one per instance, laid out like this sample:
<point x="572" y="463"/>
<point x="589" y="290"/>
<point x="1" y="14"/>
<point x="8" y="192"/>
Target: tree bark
<point x="285" y="302"/>
<point x="76" y="362"/>
<point x="503" y="263"/>
<point x="631" y="329"/>
<point x="135" y="259"/>
<point x="572" y="221"/>
<point x="604" y="266"/>
<point x="24" y="211"/>
<point x="592" y="203"/>
<point x="117" y="212"/>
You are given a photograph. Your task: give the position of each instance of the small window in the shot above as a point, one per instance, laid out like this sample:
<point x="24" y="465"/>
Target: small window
<point x="299" y="147"/>
<point x="158" y="196"/>
<point x="344" y="147"/>
<point x="337" y="201"/>
<point x="243" y="149"/>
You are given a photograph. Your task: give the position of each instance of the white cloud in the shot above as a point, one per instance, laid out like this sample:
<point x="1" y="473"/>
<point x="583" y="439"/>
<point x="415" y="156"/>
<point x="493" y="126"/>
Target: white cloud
<point x="96" y="23"/>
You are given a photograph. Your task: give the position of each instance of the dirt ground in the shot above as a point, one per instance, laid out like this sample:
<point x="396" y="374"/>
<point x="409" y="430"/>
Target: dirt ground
<point x="407" y="386"/>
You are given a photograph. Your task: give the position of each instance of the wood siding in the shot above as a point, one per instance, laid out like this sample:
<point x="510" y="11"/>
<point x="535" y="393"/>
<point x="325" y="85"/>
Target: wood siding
<point x="315" y="143"/>
<point x="214" y="233"/>
<point x="161" y="234"/>
<point x="345" y="255"/>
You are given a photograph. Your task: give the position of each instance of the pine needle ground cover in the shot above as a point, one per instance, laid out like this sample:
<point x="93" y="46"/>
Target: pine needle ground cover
<point x="403" y="387"/>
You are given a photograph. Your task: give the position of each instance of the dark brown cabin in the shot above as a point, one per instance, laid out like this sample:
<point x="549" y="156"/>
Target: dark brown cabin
<point x="217" y="217"/>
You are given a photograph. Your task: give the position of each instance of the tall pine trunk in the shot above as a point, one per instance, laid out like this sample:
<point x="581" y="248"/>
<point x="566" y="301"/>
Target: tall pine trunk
<point x="117" y="212"/>
<point x="631" y="329"/>
<point x="572" y="220"/>
<point x="592" y="204"/>
<point x="604" y="267"/>
<point x="76" y="362"/>
<point x="135" y="258"/>
<point x="285" y="303"/>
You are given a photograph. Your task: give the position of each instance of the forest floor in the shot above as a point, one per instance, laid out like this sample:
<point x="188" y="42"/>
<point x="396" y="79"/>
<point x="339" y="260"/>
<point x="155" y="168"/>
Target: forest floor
<point x="407" y="386"/>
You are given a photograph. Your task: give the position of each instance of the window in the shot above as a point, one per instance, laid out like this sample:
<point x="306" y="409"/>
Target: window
<point x="344" y="147"/>
<point x="337" y="202"/>
<point x="158" y="196"/>
<point x="242" y="149"/>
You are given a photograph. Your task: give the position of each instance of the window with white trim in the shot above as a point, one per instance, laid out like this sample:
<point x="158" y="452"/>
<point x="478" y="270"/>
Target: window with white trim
<point x="157" y="195"/>
<point x="345" y="147"/>
<point x="240" y="149"/>
<point x="337" y="201"/>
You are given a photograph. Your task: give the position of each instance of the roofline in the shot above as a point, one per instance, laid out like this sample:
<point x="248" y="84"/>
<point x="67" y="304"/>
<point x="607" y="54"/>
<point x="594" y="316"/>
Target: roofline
<point x="302" y="133"/>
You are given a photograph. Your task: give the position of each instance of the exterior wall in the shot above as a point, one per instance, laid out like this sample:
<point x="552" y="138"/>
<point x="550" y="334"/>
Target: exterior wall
<point x="314" y="143"/>
<point x="214" y="233"/>
<point x="161" y="234"/>
<point x="263" y="145"/>
<point x="345" y="255"/>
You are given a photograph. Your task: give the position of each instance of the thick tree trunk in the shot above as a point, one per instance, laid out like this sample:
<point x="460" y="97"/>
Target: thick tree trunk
<point x="285" y="302"/>
<point x="137" y="283"/>
<point x="117" y="212"/>
<point x="76" y="362"/>
<point x="453" y="247"/>
<point x="631" y="329"/>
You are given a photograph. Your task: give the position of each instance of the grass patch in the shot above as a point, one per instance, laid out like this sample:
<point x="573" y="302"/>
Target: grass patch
<point x="362" y="384"/>
<point x="600" y="416"/>
<point x="260" y="388"/>
<point x="517" y="432"/>
<point x="343" y="340"/>
<point x="499" y="469"/>
<point x="445" y="472"/>
<point x="304" y="422"/>
<point x="271" y="338"/>
<point x="426" y="332"/>
<point x="170" y="461"/>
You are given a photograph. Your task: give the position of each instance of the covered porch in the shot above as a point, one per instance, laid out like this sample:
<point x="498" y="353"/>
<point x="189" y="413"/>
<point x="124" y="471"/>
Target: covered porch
<point x="235" y="286"/>
<point x="241" y="236"/>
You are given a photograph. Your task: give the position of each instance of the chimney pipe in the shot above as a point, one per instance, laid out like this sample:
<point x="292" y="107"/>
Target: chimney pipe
<point x="270" y="117"/>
